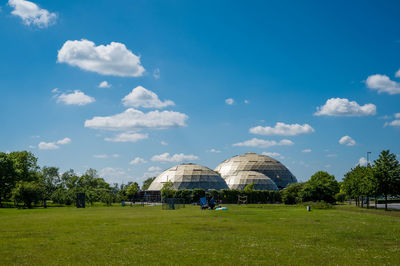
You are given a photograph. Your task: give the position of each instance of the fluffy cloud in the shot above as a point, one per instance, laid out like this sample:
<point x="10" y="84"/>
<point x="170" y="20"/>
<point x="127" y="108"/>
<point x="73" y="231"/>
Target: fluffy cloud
<point x="164" y="143"/>
<point x="154" y="169"/>
<point x="137" y="160"/>
<point x="397" y="75"/>
<point x="141" y="97"/>
<point x="347" y="140"/>
<point x="53" y="145"/>
<point x="306" y="150"/>
<point x="383" y="83"/>
<point x="112" y="59"/>
<point x="179" y="157"/>
<point x="132" y="119"/>
<point x="397" y="115"/>
<point x="115" y="175"/>
<point x="100" y="156"/>
<point x="31" y="14"/>
<point x="215" y="151"/>
<point x="229" y="101"/>
<point x="75" y="98"/>
<point x="254" y="142"/>
<point x="104" y="84"/>
<point x="127" y="137"/>
<point x="344" y="107"/>
<point x="282" y="129"/>
<point x="394" y="123"/>
<point x="273" y="155"/>
<point x="362" y="161"/>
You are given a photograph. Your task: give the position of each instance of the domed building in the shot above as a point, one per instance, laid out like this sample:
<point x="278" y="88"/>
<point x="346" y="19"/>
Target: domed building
<point x="230" y="170"/>
<point x="189" y="176"/>
<point x="240" y="179"/>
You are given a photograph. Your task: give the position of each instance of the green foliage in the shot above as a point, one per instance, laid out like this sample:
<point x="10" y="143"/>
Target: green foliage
<point x="387" y="173"/>
<point x="290" y="195"/>
<point x="249" y="188"/>
<point x="28" y="192"/>
<point x="168" y="191"/>
<point x="340" y="197"/>
<point x="147" y="183"/>
<point x="132" y="189"/>
<point x="322" y="205"/>
<point x="7" y="174"/>
<point x="321" y="187"/>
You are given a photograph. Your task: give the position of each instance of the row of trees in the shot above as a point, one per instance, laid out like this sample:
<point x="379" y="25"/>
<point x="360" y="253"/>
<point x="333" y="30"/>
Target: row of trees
<point x="23" y="181"/>
<point x="382" y="178"/>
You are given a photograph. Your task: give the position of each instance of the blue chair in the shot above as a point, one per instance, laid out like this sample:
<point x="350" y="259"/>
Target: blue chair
<point x="203" y="203"/>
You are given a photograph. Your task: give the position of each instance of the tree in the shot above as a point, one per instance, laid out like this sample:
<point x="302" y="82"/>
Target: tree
<point x="249" y="188"/>
<point x="387" y="173"/>
<point x="7" y="176"/>
<point x="167" y="191"/>
<point x="132" y="189"/>
<point x="50" y="178"/>
<point x="147" y="183"/>
<point x="25" y="165"/>
<point x="28" y="192"/>
<point x="290" y="195"/>
<point x="321" y="187"/>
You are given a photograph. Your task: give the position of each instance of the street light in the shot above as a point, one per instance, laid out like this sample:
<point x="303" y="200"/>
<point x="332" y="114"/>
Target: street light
<point x="368" y="153"/>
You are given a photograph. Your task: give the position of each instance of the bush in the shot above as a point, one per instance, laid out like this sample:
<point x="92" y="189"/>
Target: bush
<point x="291" y="194"/>
<point x="318" y="205"/>
<point x="27" y="192"/>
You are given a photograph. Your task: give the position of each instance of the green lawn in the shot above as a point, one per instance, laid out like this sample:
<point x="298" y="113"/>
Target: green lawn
<point x="259" y="234"/>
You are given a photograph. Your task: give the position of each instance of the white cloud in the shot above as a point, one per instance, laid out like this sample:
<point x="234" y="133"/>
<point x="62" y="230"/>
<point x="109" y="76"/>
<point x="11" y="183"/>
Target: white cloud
<point x="31" y="147"/>
<point x="179" y="157"/>
<point x="154" y="169"/>
<point x="63" y="141"/>
<point x="344" y="107"/>
<point x="282" y="129"/>
<point x="112" y="59"/>
<point x="75" y="98"/>
<point x="137" y="160"/>
<point x="115" y="155"/>
<point x="115" y="175"/>
<point x="164" y="143"/>
<point x="32" y="14"/>
<point x="100" y="156"/>
<point x="362" y="161"/>
<point x="132" y="119"/>
<point x="254" y="142"/>
<point x="383" y="83"/>
<point x="274" y="155"/>
<point x="53" y="145"/>
<point x="306" y="150"/>
<point x="215" y="151"/>
<point x="127" y="137"/>
<point x="246" y="101"/>
<point x="55" y="90"/>
<point x="48" y="146"/>
<point x="347" y="140"/>
<point x="229" y="101"/>
<point x="104" y="84"/>
<point x="397" y="75"/>
<point x="397" y="115"/>
<point x="141" y="97"/>
<point x="156" y="73"/>
<point x="394" y="123"/>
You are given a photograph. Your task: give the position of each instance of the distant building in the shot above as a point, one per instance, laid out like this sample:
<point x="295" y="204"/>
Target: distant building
<point x="237" y="172"/>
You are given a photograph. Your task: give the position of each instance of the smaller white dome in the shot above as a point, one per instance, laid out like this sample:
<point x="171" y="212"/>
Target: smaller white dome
<point x="240" y="179"/>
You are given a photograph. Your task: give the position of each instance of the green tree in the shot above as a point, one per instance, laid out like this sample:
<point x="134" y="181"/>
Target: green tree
<point x="387" y="173"/>
<point x="249" y="188"/>
<point x="321" y="187"/>
<point x="132" y="189"/>
<point x="50" y="178"/>
<point x="25" y="165"/>
<point x="290" y="195"/>
<point x="7" y="177"/>
<point x="147" y="183"/>
<point x="168" y="191"/>
<point x="28" y="192"/>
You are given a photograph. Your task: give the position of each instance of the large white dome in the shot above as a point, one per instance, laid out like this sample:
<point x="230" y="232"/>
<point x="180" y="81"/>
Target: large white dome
<point x="189" y="176"/>
<point x="263" y="164"/>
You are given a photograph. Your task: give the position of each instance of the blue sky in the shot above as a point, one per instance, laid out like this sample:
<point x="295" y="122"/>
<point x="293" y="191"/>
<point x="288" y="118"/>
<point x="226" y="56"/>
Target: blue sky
<point x="313" y="84"/>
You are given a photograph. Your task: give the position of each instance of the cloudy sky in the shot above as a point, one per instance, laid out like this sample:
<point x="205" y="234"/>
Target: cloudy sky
<point x="133" y="87"/>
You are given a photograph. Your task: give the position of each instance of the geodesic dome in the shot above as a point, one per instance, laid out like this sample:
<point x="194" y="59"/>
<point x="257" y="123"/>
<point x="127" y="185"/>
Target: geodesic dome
<point x="263" y="164"/>
<point x="240" y="179"/>
<point x="189" y="176"/>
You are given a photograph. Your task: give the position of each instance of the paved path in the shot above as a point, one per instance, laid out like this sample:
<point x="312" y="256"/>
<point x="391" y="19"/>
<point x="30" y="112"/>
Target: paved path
<point x="395" y="206"/>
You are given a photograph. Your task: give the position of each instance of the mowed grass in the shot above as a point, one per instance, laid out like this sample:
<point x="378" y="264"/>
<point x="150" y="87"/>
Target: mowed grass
<point x="253" y="234"/>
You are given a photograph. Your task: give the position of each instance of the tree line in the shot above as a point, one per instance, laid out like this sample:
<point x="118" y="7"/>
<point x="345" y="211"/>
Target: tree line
<point x="379" y="179"/>
<point x="22" y="181"/>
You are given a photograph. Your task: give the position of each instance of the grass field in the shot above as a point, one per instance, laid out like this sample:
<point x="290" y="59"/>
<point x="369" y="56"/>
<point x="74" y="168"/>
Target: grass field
<point x="259" y="234"/>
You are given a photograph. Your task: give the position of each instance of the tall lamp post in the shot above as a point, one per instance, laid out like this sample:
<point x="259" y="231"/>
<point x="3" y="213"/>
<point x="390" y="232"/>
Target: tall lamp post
<point x="368" y="153"/>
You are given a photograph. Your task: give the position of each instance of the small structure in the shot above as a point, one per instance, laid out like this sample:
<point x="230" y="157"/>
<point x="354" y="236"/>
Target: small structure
<point x="80" y="200"/>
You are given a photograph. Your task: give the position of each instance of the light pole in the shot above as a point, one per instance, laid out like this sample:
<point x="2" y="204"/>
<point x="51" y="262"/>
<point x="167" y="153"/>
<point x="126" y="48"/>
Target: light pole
<point x="368" y="153"/>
